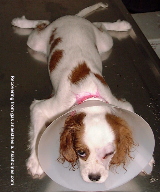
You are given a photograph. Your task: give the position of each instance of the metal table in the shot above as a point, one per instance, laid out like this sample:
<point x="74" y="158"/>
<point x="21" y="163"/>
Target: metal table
<point x="132" y="71"/>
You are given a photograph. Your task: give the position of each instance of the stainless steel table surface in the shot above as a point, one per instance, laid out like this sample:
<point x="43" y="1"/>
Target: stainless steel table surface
<point x="132" y="71"/>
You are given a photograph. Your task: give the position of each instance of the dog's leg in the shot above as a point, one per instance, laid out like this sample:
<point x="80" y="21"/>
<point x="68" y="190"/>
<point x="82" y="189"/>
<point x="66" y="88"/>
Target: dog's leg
<point x="27" y="24"/>
<point x="37" y="39"/>
<point x="38" y="56"/>
<point x="149" y="170"/>
<point x="40" y="114"/>
<point x="122" y="103"/>
<point x="91" y="9"/>
<point x="104" y="41"/>
<point x="115" y="26"/>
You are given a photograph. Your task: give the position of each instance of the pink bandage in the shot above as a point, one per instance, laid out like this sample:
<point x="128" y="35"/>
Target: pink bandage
<point x="80" y="98"/>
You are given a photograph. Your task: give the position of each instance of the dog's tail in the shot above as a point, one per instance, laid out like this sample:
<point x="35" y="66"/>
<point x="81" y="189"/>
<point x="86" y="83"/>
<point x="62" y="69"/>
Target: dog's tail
<point x="89" y="10"/>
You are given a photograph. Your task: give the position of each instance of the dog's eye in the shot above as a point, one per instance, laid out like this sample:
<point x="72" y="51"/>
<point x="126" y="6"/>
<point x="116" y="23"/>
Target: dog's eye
<point x="108" y="154"/>
<point x="81" y="153"/>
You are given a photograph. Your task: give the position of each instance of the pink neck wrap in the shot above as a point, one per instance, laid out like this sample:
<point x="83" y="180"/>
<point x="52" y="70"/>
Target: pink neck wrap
<point x="80" y="98"/>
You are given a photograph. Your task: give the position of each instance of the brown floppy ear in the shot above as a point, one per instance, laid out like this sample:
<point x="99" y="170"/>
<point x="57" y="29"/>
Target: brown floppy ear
<point x="124" y="140"/>
<point x="67" y="139"/>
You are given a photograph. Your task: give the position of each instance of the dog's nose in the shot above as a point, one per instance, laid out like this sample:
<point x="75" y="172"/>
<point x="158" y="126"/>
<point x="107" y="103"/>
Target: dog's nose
<point x="94" y="177"/>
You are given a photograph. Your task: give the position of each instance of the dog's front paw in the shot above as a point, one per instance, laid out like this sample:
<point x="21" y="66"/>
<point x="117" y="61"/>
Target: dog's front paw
<point x="34" y="167"/>
<point x="150" y="168"/>
<point x="125" y="105"/>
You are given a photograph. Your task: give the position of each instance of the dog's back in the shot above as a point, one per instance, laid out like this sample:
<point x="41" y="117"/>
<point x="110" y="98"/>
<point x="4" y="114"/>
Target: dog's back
<point x="74" y="44"/>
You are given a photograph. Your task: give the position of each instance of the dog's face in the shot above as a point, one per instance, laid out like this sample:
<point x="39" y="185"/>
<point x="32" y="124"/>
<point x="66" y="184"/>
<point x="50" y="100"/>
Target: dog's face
<point x="97" y="139"/>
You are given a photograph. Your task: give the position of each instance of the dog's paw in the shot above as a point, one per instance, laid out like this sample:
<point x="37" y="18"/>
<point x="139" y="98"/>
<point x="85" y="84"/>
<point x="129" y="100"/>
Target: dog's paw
<point x="151" y="164"/>
<point x="34" y="167"/>
<point x="123" y="25"/>
<point x="125" y="105"/>
<point x="18" y="22"/>
<point x="128" y="106"/>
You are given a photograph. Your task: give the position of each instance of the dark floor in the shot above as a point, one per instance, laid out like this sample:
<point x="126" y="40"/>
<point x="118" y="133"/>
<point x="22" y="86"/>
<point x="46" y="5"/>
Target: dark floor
<point x="132" y="71"/>
<point x="142" y="6"/>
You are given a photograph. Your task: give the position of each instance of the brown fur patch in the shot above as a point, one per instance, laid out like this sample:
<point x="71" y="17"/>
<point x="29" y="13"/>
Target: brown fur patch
<point x="41" y="26"/>
<point x="124" y="141"/>
<point x="52" y="36"/>
<point x="55" y="59"/>
<point x="101" y="79"/>
<point x="71" y="139"/>
<point x="55" y="43"/>
<point x="79" y="73"/>
<point x="120" y="99"/>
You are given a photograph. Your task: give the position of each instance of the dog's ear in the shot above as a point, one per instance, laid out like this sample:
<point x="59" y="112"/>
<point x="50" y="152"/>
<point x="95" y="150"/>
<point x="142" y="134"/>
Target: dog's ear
<point x="72" y="125"/>
<point x="67" y="151"/>
<point x="123" y="139"/>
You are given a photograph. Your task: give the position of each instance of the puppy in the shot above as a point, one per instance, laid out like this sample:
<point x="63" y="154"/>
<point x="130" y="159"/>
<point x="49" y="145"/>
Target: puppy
<point x="95" y="138"/>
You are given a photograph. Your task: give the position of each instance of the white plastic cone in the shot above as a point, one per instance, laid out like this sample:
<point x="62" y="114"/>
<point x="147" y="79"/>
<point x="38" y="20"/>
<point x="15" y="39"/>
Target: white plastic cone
<point x="48" y="152"/>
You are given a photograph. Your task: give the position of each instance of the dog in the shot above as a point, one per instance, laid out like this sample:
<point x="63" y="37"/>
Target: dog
<point x="96" y="138"/>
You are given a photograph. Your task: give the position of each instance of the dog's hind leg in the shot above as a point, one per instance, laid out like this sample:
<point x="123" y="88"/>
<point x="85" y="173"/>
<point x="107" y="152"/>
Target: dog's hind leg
<point x="37" y="40"/>
<point x="28" y="24"/>
<point x="115" y="26"/>
<point x="91" y="9"/>
<point x="104" y="41"/>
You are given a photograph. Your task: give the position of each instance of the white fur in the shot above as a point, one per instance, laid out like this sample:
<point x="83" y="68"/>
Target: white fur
<point x="99" y="138"/>
<point x="79" y="38"/>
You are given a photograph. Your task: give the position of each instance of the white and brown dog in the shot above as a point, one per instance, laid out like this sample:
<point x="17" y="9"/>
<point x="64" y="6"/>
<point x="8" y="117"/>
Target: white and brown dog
<point x="95" y="138"/>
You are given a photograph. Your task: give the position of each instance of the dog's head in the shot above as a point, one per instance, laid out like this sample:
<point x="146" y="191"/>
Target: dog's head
<point x="97" y="139"/>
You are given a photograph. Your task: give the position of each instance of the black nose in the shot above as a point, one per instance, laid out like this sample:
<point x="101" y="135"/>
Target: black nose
<point x="94" y="177"/>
